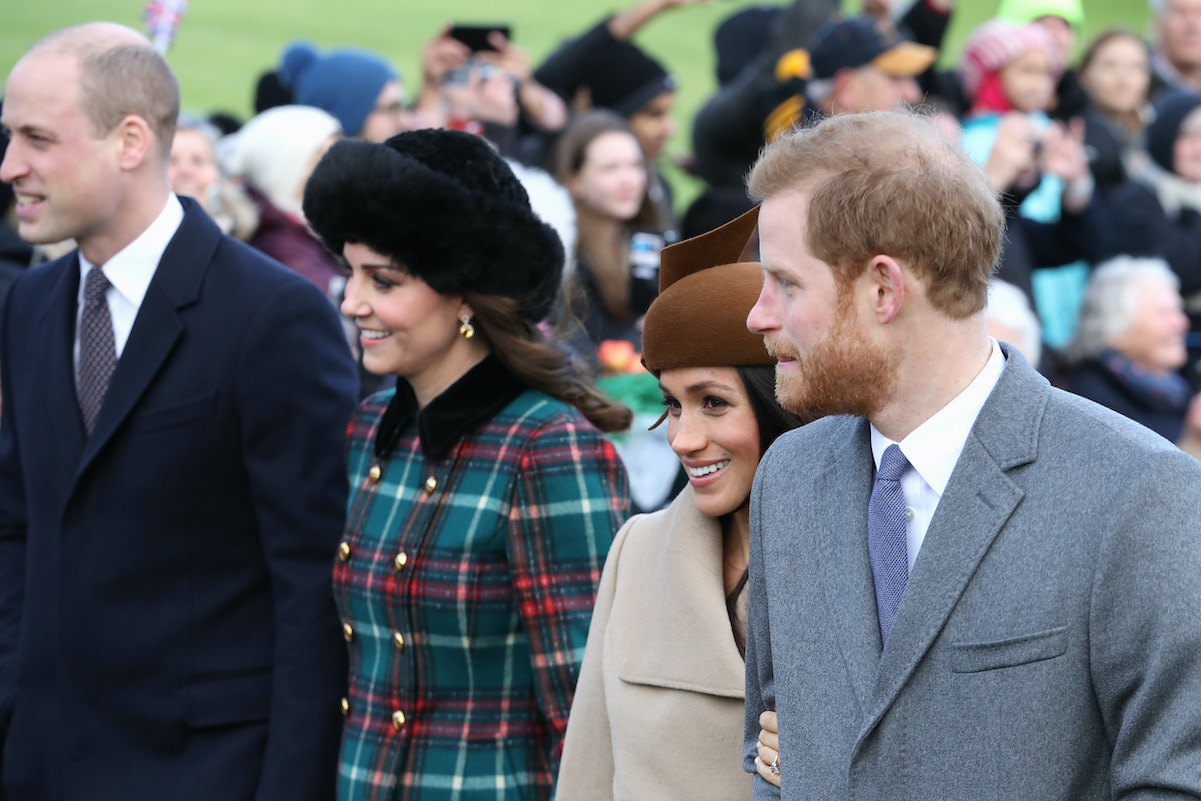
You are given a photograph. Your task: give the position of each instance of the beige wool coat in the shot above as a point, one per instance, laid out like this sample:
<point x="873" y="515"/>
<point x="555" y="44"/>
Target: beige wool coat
<point x="658" y="710"/>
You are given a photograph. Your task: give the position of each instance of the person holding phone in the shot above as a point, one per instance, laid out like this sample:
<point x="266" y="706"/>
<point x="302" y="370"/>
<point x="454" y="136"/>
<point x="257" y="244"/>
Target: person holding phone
<point x="462" y="71"/>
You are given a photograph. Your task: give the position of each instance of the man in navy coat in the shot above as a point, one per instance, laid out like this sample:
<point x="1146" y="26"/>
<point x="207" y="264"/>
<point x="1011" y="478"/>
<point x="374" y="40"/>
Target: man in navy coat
<point x="167" y="523"/>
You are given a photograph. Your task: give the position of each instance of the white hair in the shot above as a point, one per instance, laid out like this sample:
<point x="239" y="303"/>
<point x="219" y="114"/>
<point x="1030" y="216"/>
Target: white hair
<point x="1110" y="302"/>
<point x="1008" y="306"/>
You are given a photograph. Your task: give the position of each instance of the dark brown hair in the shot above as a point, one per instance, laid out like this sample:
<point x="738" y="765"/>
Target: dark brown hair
<point x="541" y="364"/>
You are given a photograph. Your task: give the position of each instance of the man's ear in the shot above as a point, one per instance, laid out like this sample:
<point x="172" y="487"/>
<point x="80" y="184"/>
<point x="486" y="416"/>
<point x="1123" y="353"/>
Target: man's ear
<point x="888" y="287"/>
<point x="134" y="140"/>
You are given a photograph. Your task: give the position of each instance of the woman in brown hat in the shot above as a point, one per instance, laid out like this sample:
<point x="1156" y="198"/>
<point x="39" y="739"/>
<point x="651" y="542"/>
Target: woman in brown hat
<point x="664" y="661"/>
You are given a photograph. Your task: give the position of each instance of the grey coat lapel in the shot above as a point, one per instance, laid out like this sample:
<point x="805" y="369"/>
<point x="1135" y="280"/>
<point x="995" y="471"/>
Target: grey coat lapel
<point x="846" y="576"/>
<point x="978" y="501"/>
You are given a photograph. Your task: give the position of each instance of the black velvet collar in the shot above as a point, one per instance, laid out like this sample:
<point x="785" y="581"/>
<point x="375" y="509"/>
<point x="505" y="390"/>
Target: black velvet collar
<point x="468" y="403"/>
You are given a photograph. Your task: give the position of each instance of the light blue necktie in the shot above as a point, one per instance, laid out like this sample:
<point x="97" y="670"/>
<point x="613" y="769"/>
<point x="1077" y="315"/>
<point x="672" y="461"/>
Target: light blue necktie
<point x="886" y="541"/>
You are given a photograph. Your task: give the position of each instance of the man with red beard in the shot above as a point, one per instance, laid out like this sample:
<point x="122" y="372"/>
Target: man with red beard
<point x="965" y="584"/>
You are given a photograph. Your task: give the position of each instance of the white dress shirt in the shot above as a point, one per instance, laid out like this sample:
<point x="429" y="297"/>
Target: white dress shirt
<point x="933" y="448"/>
<point x="130" y="272"/>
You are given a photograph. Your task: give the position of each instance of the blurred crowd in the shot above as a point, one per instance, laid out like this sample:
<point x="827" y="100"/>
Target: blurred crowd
<point x="1094" y="160"/>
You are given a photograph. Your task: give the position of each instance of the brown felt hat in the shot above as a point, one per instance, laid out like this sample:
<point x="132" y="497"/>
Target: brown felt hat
<point x="705" y="295"/>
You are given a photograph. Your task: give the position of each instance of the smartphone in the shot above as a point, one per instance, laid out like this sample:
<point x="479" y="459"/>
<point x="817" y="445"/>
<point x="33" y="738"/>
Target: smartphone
<point x="476" y="36"/>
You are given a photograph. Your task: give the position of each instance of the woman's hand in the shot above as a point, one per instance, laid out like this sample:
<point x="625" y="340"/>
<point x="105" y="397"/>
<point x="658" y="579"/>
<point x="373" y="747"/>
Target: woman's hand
<point x="768" y="761"/>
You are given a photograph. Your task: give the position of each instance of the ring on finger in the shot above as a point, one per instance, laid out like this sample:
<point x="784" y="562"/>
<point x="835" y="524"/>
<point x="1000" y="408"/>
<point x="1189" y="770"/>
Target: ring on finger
<point x="774" y="767"/>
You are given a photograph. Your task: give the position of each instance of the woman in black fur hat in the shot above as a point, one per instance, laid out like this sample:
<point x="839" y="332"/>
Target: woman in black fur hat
<point x="484" y="497"/>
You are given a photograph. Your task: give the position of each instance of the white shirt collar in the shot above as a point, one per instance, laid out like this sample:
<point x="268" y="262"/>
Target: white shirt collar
<point x="933" y="448"/>
<point x="132" y="268"/>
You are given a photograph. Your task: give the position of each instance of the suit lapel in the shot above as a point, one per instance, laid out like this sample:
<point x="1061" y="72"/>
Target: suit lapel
<point x="979" y="500"/>
<point x="664" y="649"/>
<point x="59" y="322"/>
<point x="158" y="327"/>
<point x="846" y="574"/>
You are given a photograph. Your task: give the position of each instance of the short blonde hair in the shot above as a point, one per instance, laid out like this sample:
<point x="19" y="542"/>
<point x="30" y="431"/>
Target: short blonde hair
<point x="889" y="182"/>
<point x="120" y="73"/>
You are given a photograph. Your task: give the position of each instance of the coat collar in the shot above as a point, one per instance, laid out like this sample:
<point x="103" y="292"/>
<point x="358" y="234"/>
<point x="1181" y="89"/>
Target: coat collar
<point x="467" y="404"/>
<point x="679" y="635"/>
<point x="176" y="285"/>
<point x="979" y="500"/>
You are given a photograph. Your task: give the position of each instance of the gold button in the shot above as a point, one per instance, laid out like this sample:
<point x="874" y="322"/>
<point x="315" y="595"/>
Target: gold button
<point x="431" y="484"/>
<point x="398" y="720"/>
<point x="399" y="639"/>
<point x="374" y="473"/>
<point x="401" y="560"/>
<point x="345" y="707"/>
<point x="344" y="552"/>
<point x="347" y="632"/>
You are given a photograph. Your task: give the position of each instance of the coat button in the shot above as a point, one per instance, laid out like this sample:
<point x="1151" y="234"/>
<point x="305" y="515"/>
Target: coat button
<point x="374" y="473"/>
<point x="345" y="707"/>
<point x="401" y="560"/>
<point x="347" y="632"/>
<point x="431" y="484"/>
<point x="398" y="720"/>
<point x="399" y="640"/>
<point x="344" y="552"/>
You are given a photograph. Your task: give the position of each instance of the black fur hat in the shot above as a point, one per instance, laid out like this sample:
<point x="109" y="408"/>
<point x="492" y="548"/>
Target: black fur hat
<point x="446" y="207"/>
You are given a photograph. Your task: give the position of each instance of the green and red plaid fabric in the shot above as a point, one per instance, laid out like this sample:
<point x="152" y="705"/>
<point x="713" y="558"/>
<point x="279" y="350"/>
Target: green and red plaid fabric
<point x="464" y="651"/>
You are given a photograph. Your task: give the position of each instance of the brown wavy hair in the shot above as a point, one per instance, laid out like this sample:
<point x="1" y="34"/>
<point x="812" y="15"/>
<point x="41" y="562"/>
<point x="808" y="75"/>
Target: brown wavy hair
<point x="542" y="364"/>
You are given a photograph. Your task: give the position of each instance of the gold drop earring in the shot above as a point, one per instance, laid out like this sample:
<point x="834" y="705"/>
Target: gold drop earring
<point x="466" y="329"/>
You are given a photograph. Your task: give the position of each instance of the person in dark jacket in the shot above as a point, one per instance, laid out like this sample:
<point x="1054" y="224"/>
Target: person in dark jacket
<point x="1158" y="211"/>
<point x="1131" y="342"/>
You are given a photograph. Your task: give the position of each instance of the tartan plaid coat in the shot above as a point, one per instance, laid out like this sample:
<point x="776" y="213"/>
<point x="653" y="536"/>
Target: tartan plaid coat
<point x="475" y="539"/>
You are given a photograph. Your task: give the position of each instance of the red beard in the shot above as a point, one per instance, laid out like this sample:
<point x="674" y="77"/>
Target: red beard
<point x="844" y="373"/>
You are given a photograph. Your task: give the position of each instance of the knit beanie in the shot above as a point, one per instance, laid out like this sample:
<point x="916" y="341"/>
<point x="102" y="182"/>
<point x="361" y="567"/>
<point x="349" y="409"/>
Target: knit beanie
<point x="346" y="83"/>
<point x="274" y="150"/>
<point x="623" y="78"/>
<point x="742" y="36"/>
<point x="446" y="207"/>
<point x="995" y="44"/>
<point x="1022" y="11"/>
<point x="705" y="295"/>
<point x="1171" y="111"/>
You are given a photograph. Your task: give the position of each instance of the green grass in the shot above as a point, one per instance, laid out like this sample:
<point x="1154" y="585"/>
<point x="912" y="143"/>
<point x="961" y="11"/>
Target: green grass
<point x="223" y="45"/>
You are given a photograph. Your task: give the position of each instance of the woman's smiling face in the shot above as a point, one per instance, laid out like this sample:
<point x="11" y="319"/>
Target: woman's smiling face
<point x="712" y="428"/>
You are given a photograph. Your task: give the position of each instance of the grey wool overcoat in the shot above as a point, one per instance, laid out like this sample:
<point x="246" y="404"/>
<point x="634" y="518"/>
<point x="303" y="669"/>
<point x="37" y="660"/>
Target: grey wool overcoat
<point x="1047" y="646"/>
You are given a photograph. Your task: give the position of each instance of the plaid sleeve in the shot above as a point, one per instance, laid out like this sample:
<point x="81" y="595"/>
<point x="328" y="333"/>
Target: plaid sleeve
<point x="570" y="497"/>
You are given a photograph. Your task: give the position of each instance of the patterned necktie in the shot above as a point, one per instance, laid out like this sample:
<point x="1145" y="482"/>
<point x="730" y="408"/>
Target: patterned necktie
<point x="97" y="351"/>
<point x="886" y="541"/>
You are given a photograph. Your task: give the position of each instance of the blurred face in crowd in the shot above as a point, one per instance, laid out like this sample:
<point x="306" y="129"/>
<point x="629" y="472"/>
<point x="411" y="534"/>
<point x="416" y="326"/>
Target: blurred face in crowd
<point x="193" y="167"/>
<point x="826" y="361"/>
<point x="389" y="116"/>
<point x="1118" y="76"/>
<point x="1155" y="336"/>
<point x="406" y="328"/>
<point x="611" y="180"/>
<point x="869" y="89"/>
<point x="1180" y="34"/>
<point x="65" y="175"/>
<point x="1187" y="150"/>
<point x="712" y="428"/>
<point x="1028" y="81"/>
<point x="1061" y="31"/>
<point x="654" y="125"/>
